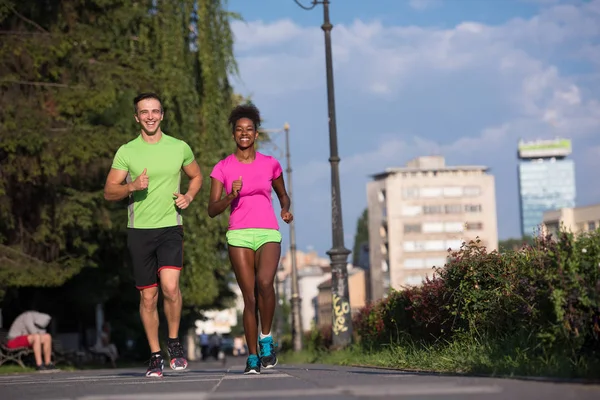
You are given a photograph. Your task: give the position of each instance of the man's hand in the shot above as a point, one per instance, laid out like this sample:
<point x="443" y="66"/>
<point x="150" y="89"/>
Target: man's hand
<point x="141" y="181"/>
<point x="182" y="201"/>
<point x="286" y="216"/>
<point x="236" y="187"/>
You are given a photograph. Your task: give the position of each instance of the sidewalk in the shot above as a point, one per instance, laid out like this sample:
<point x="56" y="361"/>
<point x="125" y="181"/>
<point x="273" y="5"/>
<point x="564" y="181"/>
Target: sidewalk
<point x="213" y="381"/>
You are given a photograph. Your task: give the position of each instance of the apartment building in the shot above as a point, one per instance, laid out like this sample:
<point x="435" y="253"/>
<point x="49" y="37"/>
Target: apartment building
<point x="576" y="220"/>
<point x="418" y="212"/>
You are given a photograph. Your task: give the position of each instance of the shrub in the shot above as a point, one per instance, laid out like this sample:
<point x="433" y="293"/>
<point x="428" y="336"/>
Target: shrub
<point x="318" y="339"/>
<point x="550" y="290"/>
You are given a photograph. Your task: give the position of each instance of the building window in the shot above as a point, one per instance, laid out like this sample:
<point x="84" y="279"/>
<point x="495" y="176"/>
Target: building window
<point x="413" y="280"/>
<point x="474" y="226"/>
<point x="434" y="245"/>
<point x="453" y="191"/>
<point x="433" y="227"/>
<point x="381" y="195"/>
<point x="383" y="231"/>
<point x="414" y="263"/>
<point x="384" y="248"/>
<point x="435" y="262"/>
<point x="384" y="266"/>
<point x="410" y="193"/>
<point x="431" y="192"/>
<point x="432" y="209"/>
<point x="591" y="226"/>
<point x="412" y="228"/>
<point x="472" y="208"/>
<point x="454" y="244"/>
<point x="453" y="227"/>
<point x="411" y="211"/>
<point x="453" y="209"/>
<point x="472" y="191"/>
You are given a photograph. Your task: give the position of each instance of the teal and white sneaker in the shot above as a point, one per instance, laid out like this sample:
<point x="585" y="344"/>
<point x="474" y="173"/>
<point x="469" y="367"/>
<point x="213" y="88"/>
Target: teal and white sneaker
<point x="268" y="359"/>
<point x="252" y="365"/>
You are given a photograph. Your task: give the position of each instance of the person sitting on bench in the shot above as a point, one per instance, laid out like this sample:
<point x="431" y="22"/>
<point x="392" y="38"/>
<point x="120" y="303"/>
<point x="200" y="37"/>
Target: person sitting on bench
<point x="29" y="330"/>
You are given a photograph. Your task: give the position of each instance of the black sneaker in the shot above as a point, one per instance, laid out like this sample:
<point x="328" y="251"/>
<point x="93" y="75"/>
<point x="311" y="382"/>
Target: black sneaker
<point x="178" y="361"/>
<point x="156" y="366"/>
<point x="50" y="367"/>
<point x="252" y="365"/>
<point x="268" y="359"/>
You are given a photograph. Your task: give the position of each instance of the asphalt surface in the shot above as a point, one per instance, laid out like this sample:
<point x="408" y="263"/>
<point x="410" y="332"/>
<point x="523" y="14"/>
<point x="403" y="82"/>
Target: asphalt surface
<point x="207" y="381"/>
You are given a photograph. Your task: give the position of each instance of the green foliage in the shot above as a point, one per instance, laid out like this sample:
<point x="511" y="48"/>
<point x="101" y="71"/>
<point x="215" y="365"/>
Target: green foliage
<point x="545" y="295"/>
<point x="361" y="236"/>
<point x="70" y="70"/>
<point x="515" y="244"/>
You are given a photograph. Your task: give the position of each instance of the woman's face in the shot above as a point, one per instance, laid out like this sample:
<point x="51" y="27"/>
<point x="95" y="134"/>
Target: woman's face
<point x="244" y="133"/>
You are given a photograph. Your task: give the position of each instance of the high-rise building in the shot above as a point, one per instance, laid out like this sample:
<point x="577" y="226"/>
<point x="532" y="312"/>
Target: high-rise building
<point x="418" y="212"/>
<point x="546" y="181"/>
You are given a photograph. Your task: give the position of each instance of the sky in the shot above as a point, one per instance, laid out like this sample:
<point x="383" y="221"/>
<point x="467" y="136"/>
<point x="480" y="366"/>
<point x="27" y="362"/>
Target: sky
<point x="465" y="79"/>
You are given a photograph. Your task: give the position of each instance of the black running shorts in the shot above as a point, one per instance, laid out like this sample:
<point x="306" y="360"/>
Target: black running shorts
<point x="153" y="250"/>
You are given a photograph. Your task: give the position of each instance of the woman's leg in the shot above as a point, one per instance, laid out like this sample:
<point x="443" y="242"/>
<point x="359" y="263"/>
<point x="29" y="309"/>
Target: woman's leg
<point x="267" y="260"/>
<point x="242" y="261"/>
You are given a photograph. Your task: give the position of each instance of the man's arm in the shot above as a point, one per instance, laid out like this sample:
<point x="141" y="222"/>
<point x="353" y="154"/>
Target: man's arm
<point x="115" y="189"/>
<point x="192" y="170"/>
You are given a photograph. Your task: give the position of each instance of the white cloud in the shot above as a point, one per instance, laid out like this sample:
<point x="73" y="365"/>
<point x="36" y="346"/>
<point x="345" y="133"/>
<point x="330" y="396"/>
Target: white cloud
<point x="468" y="93"/>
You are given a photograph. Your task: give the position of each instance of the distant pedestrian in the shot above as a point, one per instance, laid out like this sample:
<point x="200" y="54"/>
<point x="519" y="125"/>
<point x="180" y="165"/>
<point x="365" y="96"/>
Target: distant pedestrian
<point x="253" y="237"/>
<point x="204" y="345"/>
<point x="29" y="330"/>
<point x="151" y="165"/>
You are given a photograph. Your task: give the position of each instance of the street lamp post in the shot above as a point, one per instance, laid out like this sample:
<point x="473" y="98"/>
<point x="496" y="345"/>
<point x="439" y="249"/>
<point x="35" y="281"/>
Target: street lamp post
<point x="296" y="299"/>
<point x="341" y="315"/>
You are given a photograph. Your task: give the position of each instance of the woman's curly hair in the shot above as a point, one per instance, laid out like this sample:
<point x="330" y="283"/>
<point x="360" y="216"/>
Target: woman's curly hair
<point x="245" y="111"/>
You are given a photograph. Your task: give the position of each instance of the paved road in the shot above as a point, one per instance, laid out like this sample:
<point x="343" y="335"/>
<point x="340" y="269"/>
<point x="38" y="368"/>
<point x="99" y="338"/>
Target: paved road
<point x="206" y="381"/>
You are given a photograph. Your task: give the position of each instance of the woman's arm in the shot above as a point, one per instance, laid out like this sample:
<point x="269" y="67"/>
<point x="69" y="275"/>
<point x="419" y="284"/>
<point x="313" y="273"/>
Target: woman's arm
<point x="216" y="204"/>
<point x="284" y="199"/>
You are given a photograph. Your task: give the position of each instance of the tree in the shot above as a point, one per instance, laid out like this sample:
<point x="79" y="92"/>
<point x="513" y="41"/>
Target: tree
<point x="361" y="236"/>
<point x="70" y="70"/>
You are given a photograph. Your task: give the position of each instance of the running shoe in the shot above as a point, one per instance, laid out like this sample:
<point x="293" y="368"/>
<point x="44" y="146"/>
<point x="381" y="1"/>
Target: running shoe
<point x="178" y="361"/>
<point x="156" y="366"/>
<point x="252" y="365"/>
<point x="268" y="359"/>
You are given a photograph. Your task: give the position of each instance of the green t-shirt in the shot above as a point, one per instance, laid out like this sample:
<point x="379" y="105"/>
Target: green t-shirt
<point x="155" y="206"/>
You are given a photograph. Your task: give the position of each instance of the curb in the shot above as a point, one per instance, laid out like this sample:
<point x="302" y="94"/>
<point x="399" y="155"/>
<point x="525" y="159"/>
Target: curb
<point x="581" y="381"/>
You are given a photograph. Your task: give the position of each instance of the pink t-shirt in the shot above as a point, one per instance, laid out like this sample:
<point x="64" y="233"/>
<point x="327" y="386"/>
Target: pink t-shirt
<point x="253" y="208"/>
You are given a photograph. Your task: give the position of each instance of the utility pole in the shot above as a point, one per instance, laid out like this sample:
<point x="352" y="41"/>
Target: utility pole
<point x="297" y="331"/>
<point x="342" y="318"/>
<point x="296" y="300"/>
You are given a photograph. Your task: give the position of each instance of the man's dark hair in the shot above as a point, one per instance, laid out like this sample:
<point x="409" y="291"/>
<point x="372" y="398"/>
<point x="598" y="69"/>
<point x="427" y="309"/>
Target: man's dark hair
<point x="144" y="96"/>
<point x="244" y="111"/>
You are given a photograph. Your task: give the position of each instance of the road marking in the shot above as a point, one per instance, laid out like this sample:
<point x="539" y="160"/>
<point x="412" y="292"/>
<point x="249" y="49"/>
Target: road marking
<point x="397" y="391"/>
<point x="131" y="380"/>
<point x="120" y="381"/>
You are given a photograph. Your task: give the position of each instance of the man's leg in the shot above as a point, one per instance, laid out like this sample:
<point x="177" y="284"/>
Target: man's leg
<point x="46" y="341"/>
<point x="169" y="253"/>
<point x="149" y="315"/>
<point x="142" y="247"/>
<point x="35" y="342"/>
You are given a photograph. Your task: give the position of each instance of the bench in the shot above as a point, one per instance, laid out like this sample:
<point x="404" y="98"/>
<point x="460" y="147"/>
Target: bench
<point x="14" y="355"/>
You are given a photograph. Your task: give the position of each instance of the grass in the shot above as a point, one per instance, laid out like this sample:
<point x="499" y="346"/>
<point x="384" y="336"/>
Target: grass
<point x="469" y="356"/>
<point x="14" y="369"/>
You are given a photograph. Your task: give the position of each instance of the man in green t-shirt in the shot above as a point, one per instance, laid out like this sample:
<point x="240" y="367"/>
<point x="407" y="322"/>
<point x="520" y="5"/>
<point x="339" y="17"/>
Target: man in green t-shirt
<point x="147" y="170"/>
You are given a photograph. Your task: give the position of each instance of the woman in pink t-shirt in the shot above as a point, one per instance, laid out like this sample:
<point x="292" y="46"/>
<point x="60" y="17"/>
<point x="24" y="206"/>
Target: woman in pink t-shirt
<point x="253" y="237"/>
